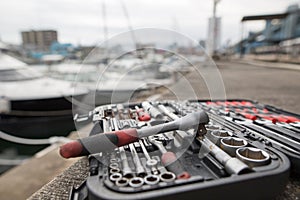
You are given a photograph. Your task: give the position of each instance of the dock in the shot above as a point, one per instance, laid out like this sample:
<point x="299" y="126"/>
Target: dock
<point x="49" y="176"/>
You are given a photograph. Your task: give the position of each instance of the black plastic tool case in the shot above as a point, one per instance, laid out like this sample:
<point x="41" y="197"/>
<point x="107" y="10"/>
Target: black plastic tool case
<point x="209" y="177"/>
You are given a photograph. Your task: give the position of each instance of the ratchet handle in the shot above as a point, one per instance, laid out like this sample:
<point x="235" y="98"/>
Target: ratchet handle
<point x="105" y="142"/>
<point x="170" y="161"/>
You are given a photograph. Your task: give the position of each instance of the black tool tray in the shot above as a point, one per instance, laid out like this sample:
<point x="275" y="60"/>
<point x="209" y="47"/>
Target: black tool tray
<point x="265" y="166"/>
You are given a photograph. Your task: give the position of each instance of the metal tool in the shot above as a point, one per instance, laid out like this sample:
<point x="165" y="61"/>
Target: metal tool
<point x="182" y="139"/>
<point x="114" y="170"/>
<point x="107" y="142"/>
<point x="167" y="112"/>
<point x="114" y="160"/>
<point x="232" y="165"/>
<point x="151" y="179"/>
<point x="122" y="182"/>
<point x="166" y="176"/>
<point x="211" y="127"/>
<point x="285" y="128"/>
<point x="268" y="137"/>
<point x="216" y="135"/>
<point x="136" y="182"/>
<point x="114" y="165"/>
<point x="115" y="176"/>
<point x="271" y="134"/>
<point x="138" y="165"/>
<point x="252" y="156"/>
<point x="154" y="112"/>
<point x="169" y="160"/>
<point x="151" y="163"/>
<point x="126" y="170"/>
<point x="231" y="144"/>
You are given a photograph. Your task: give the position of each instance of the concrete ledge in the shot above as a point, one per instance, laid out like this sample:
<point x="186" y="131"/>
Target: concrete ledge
<point x="60" y="186"/>
<point x="23" y="180"/>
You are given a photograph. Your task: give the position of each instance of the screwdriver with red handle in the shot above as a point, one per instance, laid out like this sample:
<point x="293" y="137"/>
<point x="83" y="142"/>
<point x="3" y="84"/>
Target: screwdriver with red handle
<point x="107" y="142"/>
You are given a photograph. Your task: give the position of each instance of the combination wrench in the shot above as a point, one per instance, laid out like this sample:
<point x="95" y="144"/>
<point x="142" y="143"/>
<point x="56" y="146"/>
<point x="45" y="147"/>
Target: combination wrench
<point x="140" y="171"/>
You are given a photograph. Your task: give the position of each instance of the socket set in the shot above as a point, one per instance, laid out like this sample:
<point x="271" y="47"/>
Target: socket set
<point x="272" y="126"/>
<point x="216" y="158"/>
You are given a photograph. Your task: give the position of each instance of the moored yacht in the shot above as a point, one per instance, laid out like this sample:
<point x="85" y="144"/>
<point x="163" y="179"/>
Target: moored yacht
<point x="32" y="105"/>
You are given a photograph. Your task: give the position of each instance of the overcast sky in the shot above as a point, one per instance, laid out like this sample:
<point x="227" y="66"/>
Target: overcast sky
<point x="81" y="22"/>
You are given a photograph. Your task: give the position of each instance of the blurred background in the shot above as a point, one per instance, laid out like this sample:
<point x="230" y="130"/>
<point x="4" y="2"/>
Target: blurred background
<point x="53" y="55"/>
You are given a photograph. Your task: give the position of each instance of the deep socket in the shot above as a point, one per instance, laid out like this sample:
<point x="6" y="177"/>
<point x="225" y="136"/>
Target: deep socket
<point x="231" y="144"/>
<point x="254" y="157"/>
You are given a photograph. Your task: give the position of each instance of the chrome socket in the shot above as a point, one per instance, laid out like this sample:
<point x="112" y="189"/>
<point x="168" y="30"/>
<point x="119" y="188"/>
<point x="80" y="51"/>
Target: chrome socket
<point x="167" y="177"/>
<point x="151" y="179"/>
<point x="231" y="144"/>
<point x="114" y="170"/>
<point x="122" y="182"/>
<point x="114" y="177"/>
<point x="212" y="127"/>
<point x="253" y="157"/>
<point x="216" y="135"/>
<point x="114" y="160"/>
<point x="114" y="165"/>
<point x="232" y="165"/>
<point x="128" y="175"/>
<point x="136" y="182"/>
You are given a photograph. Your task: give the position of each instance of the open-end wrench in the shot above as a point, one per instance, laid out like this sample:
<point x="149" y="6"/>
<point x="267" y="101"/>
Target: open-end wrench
<point x="272" y="134"/>
<point x="282" y="126"/>
<point x="151" y="163"/>
<point x="273" y="141"/>
<point x="138" y="165"/>
<point x="295" y="124"/>
<point x="169" y="160"/>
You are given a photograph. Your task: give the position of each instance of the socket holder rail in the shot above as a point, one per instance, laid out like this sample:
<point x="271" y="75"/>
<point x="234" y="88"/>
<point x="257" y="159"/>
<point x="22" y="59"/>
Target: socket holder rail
<point x="223" y="163"/>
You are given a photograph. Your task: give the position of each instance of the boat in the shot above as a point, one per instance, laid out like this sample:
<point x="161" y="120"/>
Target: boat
<point x="32" y="105"/>
<point x="115" y="84"/>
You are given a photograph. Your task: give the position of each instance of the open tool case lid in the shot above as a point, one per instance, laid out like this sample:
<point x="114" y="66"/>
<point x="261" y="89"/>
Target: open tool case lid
<point x="209" y="177"/>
